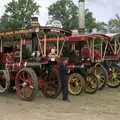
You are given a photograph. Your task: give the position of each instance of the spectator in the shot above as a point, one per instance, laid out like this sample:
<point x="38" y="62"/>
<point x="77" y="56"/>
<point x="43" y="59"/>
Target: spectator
<point x="63" y="77"/>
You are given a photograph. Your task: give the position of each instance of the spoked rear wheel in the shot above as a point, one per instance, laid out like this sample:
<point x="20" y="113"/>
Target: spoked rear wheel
<point x="4" y="81"/>
<point x="53" y="84"/>
<point x="91" y="84"/>
<point x="114" y="76"/>
<point x="26" y="84"/>
<point x="76" y="84"/>
<point x="101" y="75"/>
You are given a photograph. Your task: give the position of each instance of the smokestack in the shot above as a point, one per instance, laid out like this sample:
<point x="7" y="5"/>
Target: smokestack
<point x="81" y="15"/>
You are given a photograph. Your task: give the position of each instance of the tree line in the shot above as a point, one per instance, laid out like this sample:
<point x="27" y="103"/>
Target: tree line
<point x="19" y="13"/>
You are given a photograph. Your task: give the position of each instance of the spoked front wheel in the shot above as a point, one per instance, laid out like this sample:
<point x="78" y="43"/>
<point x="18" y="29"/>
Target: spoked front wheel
<point x="114" y="76"/>
<point x="76" y="84"/>
<point x="26" y="84"/>
<point x="53" y="84"/>
<point x="4" y="81"/>
<point x="101" y="75"/>
<point x="91" y="84"/>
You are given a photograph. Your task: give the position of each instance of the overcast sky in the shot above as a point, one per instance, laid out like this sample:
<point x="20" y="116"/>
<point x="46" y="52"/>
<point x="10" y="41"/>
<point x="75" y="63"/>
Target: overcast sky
<point x="103" y="10"/>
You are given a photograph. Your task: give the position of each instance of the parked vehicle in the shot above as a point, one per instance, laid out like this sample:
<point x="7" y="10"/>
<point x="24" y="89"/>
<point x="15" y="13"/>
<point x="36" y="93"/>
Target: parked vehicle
<point x="24" y="64"/>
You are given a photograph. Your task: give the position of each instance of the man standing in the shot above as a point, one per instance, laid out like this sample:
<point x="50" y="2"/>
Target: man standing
<point x="63" y="77"/>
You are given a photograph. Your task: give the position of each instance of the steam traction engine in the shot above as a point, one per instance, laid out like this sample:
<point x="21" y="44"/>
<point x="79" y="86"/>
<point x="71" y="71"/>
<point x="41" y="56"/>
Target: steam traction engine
<point x="81" y="64"/>
<point x="26" y="67"/>
<point x="99" y="56"/>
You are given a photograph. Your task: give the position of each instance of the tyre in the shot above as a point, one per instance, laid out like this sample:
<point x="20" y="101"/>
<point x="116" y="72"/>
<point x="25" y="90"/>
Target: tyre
<point x="91" y="83"/>
<point x="26" y="84"/>
<point x="53" y="84"/>
<point x="4" y="81"/>
<point x="114" y="76"/>
<point x="76" y="84"/>
<point x="101" y="75"/>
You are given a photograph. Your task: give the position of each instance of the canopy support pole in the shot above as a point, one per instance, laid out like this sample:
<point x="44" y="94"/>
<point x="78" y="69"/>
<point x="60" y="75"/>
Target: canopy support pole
<point x="62" y="47"/>
<point x="58" y="44"/>
<point x="45" y="44"/>
<point x="105" y="49"/>
<point x="21" y="50"/>
<point x="1" y="46"/>
<point x="39" y="45"/>
<point x="102" y="49"/>
<point x="115" y="47"/>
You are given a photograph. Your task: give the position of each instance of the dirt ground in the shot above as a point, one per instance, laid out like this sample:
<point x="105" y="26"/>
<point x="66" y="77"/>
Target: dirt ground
<point x="103" y="105"/>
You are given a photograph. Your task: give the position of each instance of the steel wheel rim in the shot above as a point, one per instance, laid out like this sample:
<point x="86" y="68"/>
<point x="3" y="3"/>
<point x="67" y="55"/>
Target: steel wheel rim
<point x="50" y="90"/>
<point x="74" y="85"/>
<point x="52" y="85"/>
<point x="4" y="82"/>
<point x="115" y="76"/>
<point x="24" y="84"/>
<point x="52" y="80"/>
<point x="100" y="76"/>
<point x="91" y="79"/>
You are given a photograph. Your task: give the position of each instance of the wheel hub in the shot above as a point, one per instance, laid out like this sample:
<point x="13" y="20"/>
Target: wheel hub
<point x="114" y="75"/>
<point x="75" y="82"/>
<point x="27" y="84"/>
<point x="98" y="76"/>
<point x="24" y="84"/>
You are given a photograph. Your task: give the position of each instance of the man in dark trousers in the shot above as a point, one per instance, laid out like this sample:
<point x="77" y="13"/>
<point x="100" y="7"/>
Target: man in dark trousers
<point x="63" y="77"/>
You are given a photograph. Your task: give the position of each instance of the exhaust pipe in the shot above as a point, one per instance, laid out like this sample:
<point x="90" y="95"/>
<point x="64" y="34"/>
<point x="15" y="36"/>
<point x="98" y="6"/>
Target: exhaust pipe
<point x="81" y="16"/>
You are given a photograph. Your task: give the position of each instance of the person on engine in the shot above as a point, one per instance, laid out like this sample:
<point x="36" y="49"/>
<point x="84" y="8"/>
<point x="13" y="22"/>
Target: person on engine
<point x="52" y="55"/>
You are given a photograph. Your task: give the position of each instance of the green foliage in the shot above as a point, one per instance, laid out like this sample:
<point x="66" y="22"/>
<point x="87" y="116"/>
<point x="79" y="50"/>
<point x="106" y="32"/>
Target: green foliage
<point x="67" y="12"/>
<point x="101" y="27"/>
<point x="20" y="12"/>
<point x="81" y="0"/>
<point x="4" y="22"/>
<point x="90" y="21"/>
<point x="114" y="24"/>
